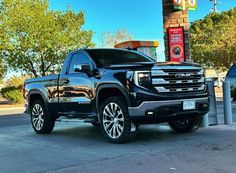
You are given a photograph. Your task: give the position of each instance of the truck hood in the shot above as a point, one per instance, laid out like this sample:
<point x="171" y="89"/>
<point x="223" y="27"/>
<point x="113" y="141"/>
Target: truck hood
<point x="155" y="66"/>
<point x="176" y="65"/>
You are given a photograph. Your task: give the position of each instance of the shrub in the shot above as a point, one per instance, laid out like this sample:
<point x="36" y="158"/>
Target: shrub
<point x="15" y="81"/>
<point x="12" y="89"/>
<point x="13" y="94"/>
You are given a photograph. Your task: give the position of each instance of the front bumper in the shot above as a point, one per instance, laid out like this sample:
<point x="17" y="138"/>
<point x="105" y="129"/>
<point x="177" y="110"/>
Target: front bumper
<point x="168" y="108"/>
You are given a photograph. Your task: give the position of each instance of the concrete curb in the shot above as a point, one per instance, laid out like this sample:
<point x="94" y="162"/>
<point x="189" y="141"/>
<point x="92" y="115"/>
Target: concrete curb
<point x="10" y="109"/>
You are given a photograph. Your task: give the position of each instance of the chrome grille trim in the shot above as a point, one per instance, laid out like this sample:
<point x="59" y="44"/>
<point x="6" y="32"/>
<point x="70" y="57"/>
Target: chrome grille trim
<point x="163" y="73"/>
<point x="158" y="81"/>
<point x="159" y="73"/>
<point x="162" y="89"/>
<point x="178" y="79"/>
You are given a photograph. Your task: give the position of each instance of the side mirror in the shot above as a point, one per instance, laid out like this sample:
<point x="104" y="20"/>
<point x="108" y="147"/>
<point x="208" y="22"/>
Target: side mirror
<point x="82" y="68"/>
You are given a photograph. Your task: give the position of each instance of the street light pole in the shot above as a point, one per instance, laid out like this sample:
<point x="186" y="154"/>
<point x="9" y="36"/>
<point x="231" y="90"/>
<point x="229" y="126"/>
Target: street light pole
<point x="215" y="5"/>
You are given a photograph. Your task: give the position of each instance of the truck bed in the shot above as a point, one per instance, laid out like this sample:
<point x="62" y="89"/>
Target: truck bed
<point x="42" y="79"/>
<point x="46" y="86"/>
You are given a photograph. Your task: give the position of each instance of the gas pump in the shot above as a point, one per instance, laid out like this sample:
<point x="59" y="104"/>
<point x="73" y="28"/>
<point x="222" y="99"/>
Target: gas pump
<point x="146" y="47"/>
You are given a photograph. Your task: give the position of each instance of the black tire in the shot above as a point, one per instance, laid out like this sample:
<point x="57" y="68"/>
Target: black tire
<point x="234" y="97"/>
<point x="120" y="122"/>
<point x="185" y="126"/>
<point x="47" y="122"/>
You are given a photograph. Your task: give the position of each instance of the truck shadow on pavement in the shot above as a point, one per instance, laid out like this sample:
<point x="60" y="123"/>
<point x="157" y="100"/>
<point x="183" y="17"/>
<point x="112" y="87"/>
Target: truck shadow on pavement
<point x="146" y="133"/>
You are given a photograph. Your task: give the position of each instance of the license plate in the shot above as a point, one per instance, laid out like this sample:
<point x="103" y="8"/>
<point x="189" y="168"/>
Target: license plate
<point x="189" y="105"/>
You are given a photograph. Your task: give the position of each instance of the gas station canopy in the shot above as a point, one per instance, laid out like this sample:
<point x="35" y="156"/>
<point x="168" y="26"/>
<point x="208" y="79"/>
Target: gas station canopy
<point x="137" y="44"/>
<point x="146" y="47"/>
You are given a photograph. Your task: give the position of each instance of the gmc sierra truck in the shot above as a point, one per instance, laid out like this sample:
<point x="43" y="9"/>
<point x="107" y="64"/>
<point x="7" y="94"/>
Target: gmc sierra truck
<point x="118" y="90"/>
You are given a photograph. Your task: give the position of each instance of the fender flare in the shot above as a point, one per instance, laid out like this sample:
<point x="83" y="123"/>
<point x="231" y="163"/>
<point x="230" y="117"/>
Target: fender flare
<point x="37" y="92"/>
<point x="115" y="86"/>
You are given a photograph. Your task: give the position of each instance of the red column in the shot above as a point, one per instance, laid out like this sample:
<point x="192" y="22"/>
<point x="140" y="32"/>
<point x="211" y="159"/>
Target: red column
<point x="175" y="18"/>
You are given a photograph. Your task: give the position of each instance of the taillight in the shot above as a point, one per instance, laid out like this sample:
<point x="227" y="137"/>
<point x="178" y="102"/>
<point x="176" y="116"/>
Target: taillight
<point x="23" y="90"/>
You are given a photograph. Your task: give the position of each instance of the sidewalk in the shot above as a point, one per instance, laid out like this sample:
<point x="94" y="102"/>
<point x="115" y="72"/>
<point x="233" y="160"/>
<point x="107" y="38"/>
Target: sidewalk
<point x="218" y="92"/>
<point x="6" y="105"/>
<point x="8" y="108"/>
<point x="11" y="107"/>
<point x="12" y="110"/>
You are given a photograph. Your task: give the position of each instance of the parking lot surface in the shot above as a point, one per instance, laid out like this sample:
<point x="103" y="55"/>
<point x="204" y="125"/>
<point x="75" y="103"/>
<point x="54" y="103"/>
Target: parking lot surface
<point x="77" y="147"/>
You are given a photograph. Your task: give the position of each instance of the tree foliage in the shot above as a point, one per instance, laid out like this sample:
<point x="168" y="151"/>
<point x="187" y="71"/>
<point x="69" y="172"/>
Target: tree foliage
<point x="13" y="89"/>
<point x="213" y="39"/>
<point x="36" y="39"/>
<point x="13" y="94"/>
<point x="111" y="39"/>
<point x="2" y="69"/>
<point x="16" y="81"/>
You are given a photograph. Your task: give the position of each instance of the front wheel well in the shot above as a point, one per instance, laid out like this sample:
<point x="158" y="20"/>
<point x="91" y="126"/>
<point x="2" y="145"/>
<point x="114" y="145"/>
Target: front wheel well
<point x="108" y="92"/>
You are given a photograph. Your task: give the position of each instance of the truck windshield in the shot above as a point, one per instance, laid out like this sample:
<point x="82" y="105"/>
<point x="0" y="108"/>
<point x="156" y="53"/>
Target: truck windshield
<point x="107" y="57"/>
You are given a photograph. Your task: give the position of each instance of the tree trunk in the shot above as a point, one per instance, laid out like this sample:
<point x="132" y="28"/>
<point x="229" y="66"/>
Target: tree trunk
<point x="42" y="64"/>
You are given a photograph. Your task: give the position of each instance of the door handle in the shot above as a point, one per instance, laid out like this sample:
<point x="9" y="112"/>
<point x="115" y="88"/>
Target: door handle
<point x="66" y="81"/>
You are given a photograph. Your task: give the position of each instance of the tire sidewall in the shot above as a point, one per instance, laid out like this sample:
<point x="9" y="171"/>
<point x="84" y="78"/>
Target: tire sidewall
<point x="191" y="126"/>
<point x="126" y="135"/>
<point x="48" y="124"/>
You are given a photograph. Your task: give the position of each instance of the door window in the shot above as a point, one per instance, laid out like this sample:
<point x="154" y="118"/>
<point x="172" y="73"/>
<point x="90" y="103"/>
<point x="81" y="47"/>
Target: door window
<point x="79" y="58"/>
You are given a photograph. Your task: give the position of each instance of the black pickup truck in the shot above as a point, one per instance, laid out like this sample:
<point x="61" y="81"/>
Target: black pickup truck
<point x="118" y="90"/>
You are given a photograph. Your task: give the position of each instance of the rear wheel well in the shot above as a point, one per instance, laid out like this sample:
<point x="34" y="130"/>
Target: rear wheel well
<point x="34" y="97"/>
<point x="37" y="96"/>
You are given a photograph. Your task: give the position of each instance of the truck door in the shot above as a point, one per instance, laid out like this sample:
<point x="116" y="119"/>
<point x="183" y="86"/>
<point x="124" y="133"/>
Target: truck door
<point x="76" y="88"/>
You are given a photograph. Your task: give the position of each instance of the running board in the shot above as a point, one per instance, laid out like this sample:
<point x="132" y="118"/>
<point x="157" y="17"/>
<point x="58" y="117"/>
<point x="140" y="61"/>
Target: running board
<point x="65" y="119"/>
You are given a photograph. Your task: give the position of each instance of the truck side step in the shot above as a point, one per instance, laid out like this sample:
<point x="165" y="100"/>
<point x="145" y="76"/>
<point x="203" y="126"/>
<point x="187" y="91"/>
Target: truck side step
<point x="66" y="119"/>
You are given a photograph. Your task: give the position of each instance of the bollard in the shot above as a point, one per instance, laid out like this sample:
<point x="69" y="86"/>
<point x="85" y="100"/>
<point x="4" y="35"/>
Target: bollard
<point x="227" y="103"/>
<point x="205" y="122"/>
<point x="210" y="118"/>
<point x="212" y="114"/>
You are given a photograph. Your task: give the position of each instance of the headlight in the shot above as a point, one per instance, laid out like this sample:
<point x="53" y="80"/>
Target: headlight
<point x="143" y="78"/>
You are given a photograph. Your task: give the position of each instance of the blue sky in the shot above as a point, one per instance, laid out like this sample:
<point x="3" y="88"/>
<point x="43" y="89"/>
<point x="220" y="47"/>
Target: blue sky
<point x="143" y="19"/>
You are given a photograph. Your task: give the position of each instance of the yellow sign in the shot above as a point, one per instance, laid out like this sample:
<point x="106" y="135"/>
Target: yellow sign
<point x="183" y="4"/>
<point x="192" y="5"/>
<point x="179" y="4"/>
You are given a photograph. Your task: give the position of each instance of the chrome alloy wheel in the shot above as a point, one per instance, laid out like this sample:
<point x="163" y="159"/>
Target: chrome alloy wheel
<point x="113" y="120"/>
<point x="37" y="119"/>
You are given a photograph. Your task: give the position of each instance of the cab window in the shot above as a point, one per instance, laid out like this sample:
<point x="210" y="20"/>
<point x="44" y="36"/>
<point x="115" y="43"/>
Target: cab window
<point x="79" y="58"/>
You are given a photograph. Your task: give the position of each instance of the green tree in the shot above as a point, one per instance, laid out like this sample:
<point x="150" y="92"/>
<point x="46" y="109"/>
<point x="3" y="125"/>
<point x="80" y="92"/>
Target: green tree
<point x="16" y="81"/>
<point x="13" y="89"/>
<point x="36" y="39"/>
<point x="111" y="39"/>
<point x="2" y="69"/>
<point x="213" y="39"/>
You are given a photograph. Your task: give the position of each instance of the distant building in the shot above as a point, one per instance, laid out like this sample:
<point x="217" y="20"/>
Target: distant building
<point x="212" y="73"/>
<point x="217" y="76"/>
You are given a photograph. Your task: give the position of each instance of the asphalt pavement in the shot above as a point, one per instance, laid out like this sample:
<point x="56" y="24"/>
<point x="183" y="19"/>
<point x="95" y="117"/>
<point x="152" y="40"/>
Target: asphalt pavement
<point x="77" y="147"/>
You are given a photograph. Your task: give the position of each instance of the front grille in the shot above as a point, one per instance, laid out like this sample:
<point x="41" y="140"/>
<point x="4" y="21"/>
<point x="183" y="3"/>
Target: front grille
<point x="178" y="79"/>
